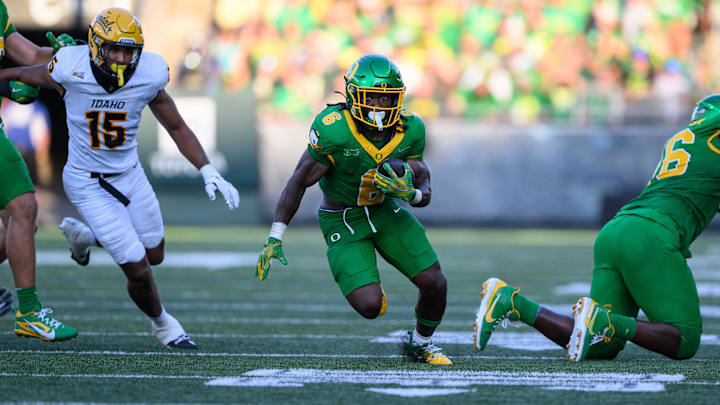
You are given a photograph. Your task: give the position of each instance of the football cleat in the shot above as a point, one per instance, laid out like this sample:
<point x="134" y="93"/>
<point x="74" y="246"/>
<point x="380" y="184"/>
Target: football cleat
<point x="171" y="334"/>
<point x="496" y="307"/>
<point x="80" y="238"/>
<point x="427" y="353"/>
<point x="39" y="324"/>
<point x="592" y="326"/>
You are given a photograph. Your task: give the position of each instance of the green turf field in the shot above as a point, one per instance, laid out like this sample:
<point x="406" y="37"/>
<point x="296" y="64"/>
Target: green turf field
<point x="294" y="339"/>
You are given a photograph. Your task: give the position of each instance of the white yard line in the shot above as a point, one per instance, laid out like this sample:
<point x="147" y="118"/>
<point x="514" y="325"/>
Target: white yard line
<point x="559" y="357"/>
<point x="417" y="383"/>
<point x="202" y="259"/>
<point x="597" y="382"/>
<point x="198" y="354"/>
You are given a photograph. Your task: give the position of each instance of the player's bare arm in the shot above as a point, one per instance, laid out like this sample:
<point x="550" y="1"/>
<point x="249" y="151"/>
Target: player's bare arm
<point x="37" y="75"/>
<point x="422" y="181"/>
<point x="307" y="172"/>
<point x="23" y="52"/>
<point x="164" y="109"/>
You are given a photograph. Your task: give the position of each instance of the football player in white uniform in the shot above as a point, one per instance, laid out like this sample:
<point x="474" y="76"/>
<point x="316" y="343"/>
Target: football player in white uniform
<point x="105" y="85"/>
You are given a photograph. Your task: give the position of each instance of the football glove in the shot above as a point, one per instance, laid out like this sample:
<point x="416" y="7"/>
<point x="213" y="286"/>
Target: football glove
<point x="214" y="182"/>
<point x="394" y="186"/>
<point x="61" y="41"/>
<point x="5" y="301"/>
<point x="272" y="249"/>
<point x="23" y="93"/>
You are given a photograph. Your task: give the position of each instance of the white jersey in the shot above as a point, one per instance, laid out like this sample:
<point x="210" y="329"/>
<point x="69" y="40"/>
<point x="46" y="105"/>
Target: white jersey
<point x="102" y="126"/>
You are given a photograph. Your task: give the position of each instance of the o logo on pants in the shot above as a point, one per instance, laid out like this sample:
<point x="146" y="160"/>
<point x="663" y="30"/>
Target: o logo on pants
<point x="335" y="237"/>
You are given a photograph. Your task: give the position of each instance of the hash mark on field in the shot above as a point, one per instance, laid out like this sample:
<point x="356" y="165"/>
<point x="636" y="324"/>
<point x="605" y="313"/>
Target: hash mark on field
<point x="599" y="382"/>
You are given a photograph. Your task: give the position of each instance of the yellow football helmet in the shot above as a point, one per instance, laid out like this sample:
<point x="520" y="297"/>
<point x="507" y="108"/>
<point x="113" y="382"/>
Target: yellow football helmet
<point x="116" y="27"/>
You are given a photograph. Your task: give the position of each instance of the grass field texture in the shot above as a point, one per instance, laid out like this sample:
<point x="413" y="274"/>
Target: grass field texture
<point x="293" y="338"/>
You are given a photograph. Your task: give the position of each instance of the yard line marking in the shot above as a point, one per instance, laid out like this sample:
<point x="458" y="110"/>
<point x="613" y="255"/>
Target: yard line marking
<point x="559" y="357"/>
<point x="707" y="311"/>
<point x="704" y="289"/>
<point x="528" y="341"/>
<point x="201" y="354"/>
<point x="418" y="392"/>
<point x="598" y="382"/>
<point x="230" y="335"/>
<point x="140" y="376"/>
<point x="212" y="261"/>
<point x="245" y="320"/>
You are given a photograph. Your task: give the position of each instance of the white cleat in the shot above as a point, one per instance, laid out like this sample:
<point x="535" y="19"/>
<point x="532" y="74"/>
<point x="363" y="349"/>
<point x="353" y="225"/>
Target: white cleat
<point x="172" y="335"/>
<point x="80" y="237"/>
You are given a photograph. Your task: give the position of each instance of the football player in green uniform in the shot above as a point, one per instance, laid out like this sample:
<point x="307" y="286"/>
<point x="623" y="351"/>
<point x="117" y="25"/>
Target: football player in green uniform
<point x="639" y="261"/>
<point x="359" y="213"/>
<point x="18" y="206"/>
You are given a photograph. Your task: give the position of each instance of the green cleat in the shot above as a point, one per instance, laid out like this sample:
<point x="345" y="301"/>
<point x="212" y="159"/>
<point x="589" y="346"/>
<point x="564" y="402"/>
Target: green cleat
<point x="39" y="324"/>
<point x="427" y="353"/>
<point x="496" y="307"/>
<point x="592" y="325"/>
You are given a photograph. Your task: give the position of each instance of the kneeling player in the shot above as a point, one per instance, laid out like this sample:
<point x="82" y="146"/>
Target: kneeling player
<point x="639" y="261"/>
<point x="347" y="142"/>
<point x="105" y="85"/>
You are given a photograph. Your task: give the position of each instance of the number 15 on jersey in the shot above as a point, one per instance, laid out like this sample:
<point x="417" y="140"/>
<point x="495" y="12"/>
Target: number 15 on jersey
<point x="113" y="135"/>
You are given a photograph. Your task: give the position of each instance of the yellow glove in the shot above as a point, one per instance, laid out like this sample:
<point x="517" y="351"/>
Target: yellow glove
<point x="394" y="186"/>
<point x="272" y="249"/>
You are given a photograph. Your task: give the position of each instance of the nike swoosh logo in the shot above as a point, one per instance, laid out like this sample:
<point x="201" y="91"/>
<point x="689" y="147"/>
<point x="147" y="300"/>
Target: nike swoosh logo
<point x="46" y="335"/>
<point x="396" y="210"/>
<point x="488" y="316"/>
<point x="403" y="149"/>
<point x="15" y="90"/>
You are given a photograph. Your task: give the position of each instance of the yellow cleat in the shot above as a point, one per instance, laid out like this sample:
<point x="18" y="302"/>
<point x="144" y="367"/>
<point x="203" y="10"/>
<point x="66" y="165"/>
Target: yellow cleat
<point x="39" y="324"/>
<point x="427" y="353"/>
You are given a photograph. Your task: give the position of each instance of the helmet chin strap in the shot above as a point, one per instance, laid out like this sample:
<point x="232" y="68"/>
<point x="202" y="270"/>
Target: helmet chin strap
<point x="377" y="117"/>
<point x="119" y="69"/>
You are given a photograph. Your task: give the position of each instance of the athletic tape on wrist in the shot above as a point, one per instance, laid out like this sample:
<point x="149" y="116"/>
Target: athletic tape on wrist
<point x="277" y="230"/>
<point x="417" y="198"/>
<point x="426" y="322"/>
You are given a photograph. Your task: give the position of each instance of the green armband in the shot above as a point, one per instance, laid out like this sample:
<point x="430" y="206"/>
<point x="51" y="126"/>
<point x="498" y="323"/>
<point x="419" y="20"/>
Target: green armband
<point x="426" y="322"/>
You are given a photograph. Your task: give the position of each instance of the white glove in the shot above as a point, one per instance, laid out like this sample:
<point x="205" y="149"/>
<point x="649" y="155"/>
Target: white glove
<point x="214" y="182"/>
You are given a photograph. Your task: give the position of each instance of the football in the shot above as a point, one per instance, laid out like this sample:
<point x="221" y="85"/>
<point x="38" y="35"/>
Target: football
<point x="395" y="164"/>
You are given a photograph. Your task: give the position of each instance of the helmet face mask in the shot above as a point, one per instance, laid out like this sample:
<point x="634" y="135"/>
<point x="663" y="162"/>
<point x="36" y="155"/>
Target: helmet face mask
<point x="374" y="91"/>
<point x="112" y="29"/>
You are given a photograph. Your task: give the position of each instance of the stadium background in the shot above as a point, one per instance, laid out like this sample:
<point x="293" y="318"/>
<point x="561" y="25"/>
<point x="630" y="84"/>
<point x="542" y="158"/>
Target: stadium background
<point x="539" y="113"/>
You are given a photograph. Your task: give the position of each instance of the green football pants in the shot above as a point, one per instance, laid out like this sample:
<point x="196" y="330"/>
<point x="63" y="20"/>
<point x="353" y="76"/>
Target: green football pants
<point x="14" y="174"/>
<point x="355" y="234"/>
<point x="638" y="265"/>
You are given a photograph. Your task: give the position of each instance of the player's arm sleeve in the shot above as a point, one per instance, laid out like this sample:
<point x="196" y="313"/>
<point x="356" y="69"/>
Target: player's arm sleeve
<point x="417" y="150"/>
<point x="320" y="147"/>
<point x="7" y="26"/>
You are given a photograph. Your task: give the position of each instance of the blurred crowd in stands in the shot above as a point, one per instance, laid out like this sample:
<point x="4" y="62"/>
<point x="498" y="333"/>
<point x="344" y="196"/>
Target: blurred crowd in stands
<point x="523" y="61"/>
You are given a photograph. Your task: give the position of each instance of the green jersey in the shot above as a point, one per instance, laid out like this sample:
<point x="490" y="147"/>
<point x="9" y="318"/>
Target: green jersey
<point x="336" y="142"/>
<point x="686" y="184"/>
<point x="6" y="28"/>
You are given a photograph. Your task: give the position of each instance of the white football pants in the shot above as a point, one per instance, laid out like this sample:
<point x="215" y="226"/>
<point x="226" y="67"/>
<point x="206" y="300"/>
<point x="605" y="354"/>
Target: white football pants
<point x="124" y="232"/>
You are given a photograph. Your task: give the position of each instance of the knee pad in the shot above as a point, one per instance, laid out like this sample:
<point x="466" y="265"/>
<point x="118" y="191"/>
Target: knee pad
<point x="689" y="342"/>
<point x="606" y="351"/>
